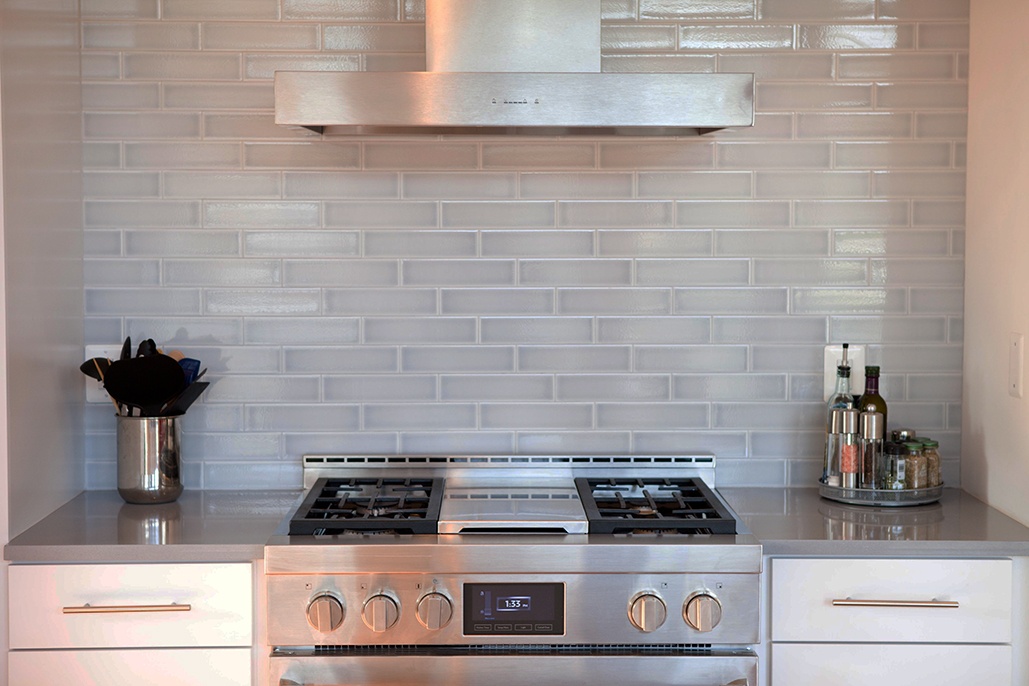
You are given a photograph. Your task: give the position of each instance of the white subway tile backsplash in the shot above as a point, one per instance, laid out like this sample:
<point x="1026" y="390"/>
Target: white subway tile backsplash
<point x="300" y="330"/>
<point x="570" y="358"/>
<point x="851" y="125"/>
<point x="486" y="301"/>
<point x="264" y="301"/>
<point x="263" y="66"/>
<point x="164" y="243"/>
<point x="694" y="272"/>
<point x="169" y="301"/>
<point x="635" y="243"/>
<point x="227" y="184"/>
<point x="476" y="186"/>
<point x="347" y="10"/>
<point x="697" y="301"/>
<point x="372" y="301"/>
<point x="653" y="330"/>
<point x="420" y="243"/>
<point x="696" y="11"/>
<point x="691" y="358"/>
<point x="127" y="9"/>
<point x="793" y="10"/>
<point x="419" y="330"/>
<point x="652" y="416"/>
<point x="498" y="294"/>
<point x="457" y="358"/>
<point x="120" y="96"/>
<point x="220" y="35"/>
<point x="923" y="9"/>
<point x="942" y="36"/>
<point x="637" y="37"/>
<point x="494" y="387"/>
<point x="573" y="330"/>
<point x="222" y="272"/>
<point x="629" y="301"/>
<point x="856" y="36"/>
<point x="141" y="36"/>
<point x="365" y="388"/>
<point x="167" y="66"/>
<point x="736" y="37"/>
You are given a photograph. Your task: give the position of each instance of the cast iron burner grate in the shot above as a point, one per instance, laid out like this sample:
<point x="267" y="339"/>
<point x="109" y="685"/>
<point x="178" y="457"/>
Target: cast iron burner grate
<point x="370" y="505"/>
<point x="625" y="506"/>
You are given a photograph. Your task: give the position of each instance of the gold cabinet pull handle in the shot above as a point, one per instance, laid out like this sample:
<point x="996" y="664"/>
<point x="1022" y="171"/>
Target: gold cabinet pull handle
<point x="88" y="609"/>
<point x="851" y="602"/>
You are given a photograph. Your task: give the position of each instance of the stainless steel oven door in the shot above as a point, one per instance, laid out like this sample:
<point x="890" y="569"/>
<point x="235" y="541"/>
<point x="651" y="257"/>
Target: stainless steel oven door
<point x="603" y="666"/>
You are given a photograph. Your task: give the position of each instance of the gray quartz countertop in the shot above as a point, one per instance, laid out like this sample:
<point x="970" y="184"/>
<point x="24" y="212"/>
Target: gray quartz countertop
<point x="201" y="526"/>
<point x="231" y="526"/>
<point x="797" y="521"/>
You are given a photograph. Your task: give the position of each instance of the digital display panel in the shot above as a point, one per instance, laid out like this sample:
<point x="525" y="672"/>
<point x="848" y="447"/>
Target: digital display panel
<point x="514" y="609"/>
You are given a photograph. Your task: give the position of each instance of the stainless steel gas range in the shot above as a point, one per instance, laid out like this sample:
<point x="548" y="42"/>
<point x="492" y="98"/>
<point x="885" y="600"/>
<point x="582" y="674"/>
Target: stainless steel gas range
<point x="510" y="570"/>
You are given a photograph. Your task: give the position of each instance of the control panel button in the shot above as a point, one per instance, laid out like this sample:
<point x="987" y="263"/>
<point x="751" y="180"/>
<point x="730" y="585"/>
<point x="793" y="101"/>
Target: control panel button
<point x="702" y="611"/>
<point x="380" y="613"/>
<point x="435" y="611"/>
<point x="523" y="627"/>
<point x="325" y="613"/>
<point x="647" y="612"/>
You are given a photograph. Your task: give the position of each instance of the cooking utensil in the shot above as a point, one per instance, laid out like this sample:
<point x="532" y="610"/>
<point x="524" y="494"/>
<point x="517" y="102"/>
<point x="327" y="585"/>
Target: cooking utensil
<point x="95" y="368"/>
<point x="146" y="382"/>
<point x="147" y="347"/>
<point x="191" y="367"/>
<point x="126" y="349"/>
<point x="180" y="403"/>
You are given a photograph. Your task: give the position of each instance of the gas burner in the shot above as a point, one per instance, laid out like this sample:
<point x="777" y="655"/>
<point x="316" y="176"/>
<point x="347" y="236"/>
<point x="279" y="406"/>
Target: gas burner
<point x="653" y="505"/>
<point x="358" y="505"/>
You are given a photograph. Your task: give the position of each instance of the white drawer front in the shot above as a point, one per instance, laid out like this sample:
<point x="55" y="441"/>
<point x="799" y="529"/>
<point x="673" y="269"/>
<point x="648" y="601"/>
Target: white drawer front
<point x="146" y="597"/>
<point x="169" y="667"/>
<point x="827" y="664"/>
<point x="803" y="591"/>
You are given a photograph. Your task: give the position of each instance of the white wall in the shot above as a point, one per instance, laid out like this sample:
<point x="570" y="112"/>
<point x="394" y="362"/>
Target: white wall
<point x="42" y="202"/>
<point x="995" y="446"/>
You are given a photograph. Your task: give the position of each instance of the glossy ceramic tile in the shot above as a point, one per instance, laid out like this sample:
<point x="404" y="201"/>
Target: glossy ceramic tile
<point x="493" y="294"/>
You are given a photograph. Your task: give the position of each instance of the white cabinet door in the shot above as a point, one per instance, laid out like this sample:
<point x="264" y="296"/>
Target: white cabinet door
<point x="835" y="664"/>
<point x="804" y="591"/>
<point x="170" y="667"/>
<point x="131" y="606"/>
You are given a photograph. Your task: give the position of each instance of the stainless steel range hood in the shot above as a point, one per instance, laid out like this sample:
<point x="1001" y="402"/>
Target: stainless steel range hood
<point x="513" y="66"/>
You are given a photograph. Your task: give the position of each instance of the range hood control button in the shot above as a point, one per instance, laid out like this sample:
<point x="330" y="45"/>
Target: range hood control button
<point x="325" y="613"/>
<point x="701" y="611"/>
<point x="435" y="611"/>
<point x="380" y="613"/>
<point x="647" y="612"/>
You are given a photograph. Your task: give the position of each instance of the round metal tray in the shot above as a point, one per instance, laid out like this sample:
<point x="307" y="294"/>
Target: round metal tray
<point x="881" y="498"/>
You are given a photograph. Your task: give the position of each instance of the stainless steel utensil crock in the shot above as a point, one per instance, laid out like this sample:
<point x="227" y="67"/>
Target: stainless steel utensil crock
<point x="148" y="459"/>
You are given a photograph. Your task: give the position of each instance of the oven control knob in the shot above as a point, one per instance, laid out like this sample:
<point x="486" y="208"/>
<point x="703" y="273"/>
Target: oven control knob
<point x="647" y="612"/>
<point x="325" y="613"/>
<point x="380" y="613"/>
<point x="702" y="611"/>
<point x="435" y="611"/>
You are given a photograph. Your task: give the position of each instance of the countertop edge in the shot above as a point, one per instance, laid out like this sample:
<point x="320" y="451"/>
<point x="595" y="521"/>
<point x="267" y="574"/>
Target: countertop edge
<point x="126" y="554"/>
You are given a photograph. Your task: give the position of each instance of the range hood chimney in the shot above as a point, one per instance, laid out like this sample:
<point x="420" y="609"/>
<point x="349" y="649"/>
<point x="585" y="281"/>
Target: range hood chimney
<point x="513" y="66"/>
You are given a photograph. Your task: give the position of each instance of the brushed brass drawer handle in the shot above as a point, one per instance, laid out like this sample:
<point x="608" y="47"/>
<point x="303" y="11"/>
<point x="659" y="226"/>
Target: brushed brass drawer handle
<point x="850" y="602"/>
<point x="88" y="609"/>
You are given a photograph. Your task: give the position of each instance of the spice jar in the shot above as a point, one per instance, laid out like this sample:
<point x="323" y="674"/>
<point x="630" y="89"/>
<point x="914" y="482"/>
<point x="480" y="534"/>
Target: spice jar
<point x="832" y="448"/>
<point x="903" y="435"/>
<point x="915" y="468"/>
<point x="894" y="473"/>
<point x="930" y="449"/>
<point x="871" y="448"/>
<point x="850" y="450"/>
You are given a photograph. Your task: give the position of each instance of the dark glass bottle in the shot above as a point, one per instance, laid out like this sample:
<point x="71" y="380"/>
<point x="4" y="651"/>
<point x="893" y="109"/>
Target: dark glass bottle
<point x="870" y="400"/>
